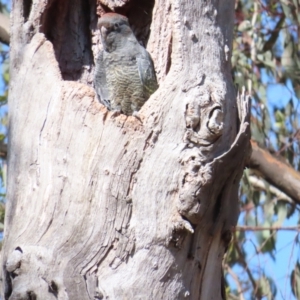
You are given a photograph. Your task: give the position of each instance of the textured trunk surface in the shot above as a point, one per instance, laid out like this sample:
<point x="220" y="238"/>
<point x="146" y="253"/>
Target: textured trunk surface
<point x="103" y="207"/>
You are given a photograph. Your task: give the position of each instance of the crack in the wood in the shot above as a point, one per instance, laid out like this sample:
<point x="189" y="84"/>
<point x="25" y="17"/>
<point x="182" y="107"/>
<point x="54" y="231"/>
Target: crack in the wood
<point x="108" y="249"/>
<point x="152" y="139"/>
<point x="169" y="56"/>
<point x="206" y="254"/>
<point x="44" y="123"/>
<point x="147" y="140"/>
<point x="191" y="252"/>
<point x="105" y="114"/>
<point x="86" y="287"/>
<point x="7" y="285"/>
<point x="52" y="287"/>
<point x="31" y="295"/>
<point x="131" y="179"/>
<point x="49" y="224"/>
<point x="218" y="204"/>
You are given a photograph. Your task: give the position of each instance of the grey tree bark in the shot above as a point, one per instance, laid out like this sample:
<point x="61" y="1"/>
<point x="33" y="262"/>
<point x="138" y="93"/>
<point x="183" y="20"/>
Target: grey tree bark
<point x="103" y="207"/>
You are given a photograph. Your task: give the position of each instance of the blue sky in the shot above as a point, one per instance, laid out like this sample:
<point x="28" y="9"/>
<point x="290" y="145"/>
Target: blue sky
<point x="287" y="249"/>
<point x="287" y="253"/>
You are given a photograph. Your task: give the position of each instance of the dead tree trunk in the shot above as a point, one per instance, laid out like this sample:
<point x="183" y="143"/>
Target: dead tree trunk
<point x="117" y="208"/>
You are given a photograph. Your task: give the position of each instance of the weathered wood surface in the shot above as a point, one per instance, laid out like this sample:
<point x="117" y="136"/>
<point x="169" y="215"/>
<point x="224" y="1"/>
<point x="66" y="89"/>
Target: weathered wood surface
<point x="118" y="208"/>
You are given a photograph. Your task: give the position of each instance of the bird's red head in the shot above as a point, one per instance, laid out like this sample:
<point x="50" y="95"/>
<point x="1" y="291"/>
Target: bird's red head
<point x="115" y="30"/>
<point x="111" y="18"/>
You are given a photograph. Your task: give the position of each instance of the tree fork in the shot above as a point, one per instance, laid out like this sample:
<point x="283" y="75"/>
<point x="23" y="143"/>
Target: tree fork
<point x="104" y="207"/>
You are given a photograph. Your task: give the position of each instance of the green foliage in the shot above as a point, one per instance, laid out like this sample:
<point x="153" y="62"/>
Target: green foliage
<point x="266" y="52"/>
<point x="295" y="281"/>
<point x="266" y="55"/>
<point x="4" y="80"/>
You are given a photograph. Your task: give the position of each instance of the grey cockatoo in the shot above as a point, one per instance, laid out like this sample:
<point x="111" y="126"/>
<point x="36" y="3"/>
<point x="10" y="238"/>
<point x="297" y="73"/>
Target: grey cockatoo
<point x="124" y="76"/>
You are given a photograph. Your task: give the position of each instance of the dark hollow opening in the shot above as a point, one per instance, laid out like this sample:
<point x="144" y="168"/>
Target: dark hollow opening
<point x="139" y="14"/>
<point x="27" y="4"/>
<point x="67" y="25"/>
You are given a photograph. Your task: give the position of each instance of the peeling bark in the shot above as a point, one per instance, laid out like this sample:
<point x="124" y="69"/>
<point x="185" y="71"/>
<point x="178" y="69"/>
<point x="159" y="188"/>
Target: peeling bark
<point x="116" y="207"/>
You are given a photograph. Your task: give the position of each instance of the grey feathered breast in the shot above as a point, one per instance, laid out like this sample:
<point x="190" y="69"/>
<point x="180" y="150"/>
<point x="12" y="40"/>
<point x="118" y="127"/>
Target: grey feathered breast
<point x="125" y="79"/>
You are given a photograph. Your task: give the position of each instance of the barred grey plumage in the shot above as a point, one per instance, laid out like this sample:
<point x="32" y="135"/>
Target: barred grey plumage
<point x="124" y="76"/>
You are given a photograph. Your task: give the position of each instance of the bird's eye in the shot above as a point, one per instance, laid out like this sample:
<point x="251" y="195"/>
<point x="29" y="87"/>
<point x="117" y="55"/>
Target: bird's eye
<point x="117" y="26"/>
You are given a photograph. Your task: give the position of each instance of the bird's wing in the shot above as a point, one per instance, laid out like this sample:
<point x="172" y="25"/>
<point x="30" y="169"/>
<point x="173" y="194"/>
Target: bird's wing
<point x="147" y="72"/>
<point x="100" y="83"/>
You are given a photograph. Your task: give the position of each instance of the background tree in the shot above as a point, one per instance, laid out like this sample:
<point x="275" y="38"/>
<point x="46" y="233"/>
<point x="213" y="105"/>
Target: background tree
<point x="4" y="38"/>
<point x="266" y="60"/>
<point x="102" y="206"/>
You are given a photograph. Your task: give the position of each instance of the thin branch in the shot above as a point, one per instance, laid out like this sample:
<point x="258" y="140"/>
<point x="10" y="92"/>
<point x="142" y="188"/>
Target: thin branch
<point x="290" y="262"/>
<point x="3" y="150"/>
<point x="245" y="265"/>
<point x="4" y="29"/>
<point x="261" y="228"/>
<point x="279" y="174"/>
<point x="261" y="185"/>
<point x="237" y="282"/>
